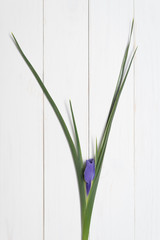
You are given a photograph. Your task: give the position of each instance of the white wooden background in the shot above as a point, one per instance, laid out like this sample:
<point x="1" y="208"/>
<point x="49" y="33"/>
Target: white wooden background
<point x="79" y="61"/>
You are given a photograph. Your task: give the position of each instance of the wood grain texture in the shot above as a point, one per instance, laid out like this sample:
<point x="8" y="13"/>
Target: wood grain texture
<point x="128" y="196"/>
<point x="20" y="122"/>
<point x="113" y="215"/>
<point x="147" y="121"/>
<point x="66" y="78"/>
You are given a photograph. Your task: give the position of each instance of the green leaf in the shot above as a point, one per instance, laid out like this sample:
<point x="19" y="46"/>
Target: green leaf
<point x="76" y="134"/>
<point x="119" y="82"/>
<point x="82" y="183"/>
<point x="110" y="119"/>
<point x="63" y="125"/>
<point x="102" y="147"/>
<point x="77" y="164"/>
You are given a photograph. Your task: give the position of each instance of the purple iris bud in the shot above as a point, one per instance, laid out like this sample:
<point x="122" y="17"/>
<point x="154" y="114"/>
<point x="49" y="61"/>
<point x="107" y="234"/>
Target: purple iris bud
<point x="89" y="174"/>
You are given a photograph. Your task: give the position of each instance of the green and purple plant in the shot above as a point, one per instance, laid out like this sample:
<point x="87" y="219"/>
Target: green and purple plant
<point x="88" y="176"/>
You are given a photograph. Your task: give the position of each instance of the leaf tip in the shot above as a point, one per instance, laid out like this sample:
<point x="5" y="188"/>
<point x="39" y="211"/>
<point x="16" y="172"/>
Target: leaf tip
<point x="12" y="35"/>
<point x="70" y="103"/>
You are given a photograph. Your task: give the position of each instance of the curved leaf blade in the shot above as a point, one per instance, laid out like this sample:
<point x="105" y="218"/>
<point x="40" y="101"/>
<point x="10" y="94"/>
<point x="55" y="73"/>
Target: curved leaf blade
<point x="82" y="183"/>
<point x="55" y="108"/>
<point x="101" y="151"/>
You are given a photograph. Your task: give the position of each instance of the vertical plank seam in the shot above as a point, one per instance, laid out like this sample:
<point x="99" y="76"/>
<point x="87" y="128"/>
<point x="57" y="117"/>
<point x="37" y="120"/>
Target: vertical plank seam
<point x="88" y="82"/>
<point x="134" y="123"/>
<point x="43" y="130"/>
<point x="88" y="124"/>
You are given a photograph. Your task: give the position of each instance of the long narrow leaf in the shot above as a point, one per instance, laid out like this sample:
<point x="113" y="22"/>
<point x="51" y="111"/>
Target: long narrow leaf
<point x="101" y="152"/>
<point x="113" y="112"/>
<point x="120" y="78"/>
<point x="119" y="82"/>
<point x="57" y="112"/>
<point x="82" y="184"/>
<point x="76" y="134"/>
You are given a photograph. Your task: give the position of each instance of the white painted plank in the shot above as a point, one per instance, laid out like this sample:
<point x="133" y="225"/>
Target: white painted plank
<point x="113" y="215"/>
<point x="65" y="78"/>
<point x="20" y="122"/>
<point x="147" y="121"/>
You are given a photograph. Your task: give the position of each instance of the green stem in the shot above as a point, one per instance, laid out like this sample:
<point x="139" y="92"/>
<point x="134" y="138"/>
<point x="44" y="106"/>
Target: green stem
<point x="84" y="234"/>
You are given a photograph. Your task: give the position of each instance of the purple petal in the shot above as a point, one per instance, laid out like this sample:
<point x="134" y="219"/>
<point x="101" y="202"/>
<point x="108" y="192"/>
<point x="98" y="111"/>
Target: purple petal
<point x="89" y="173"/>
<point x="88" y="186"/>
